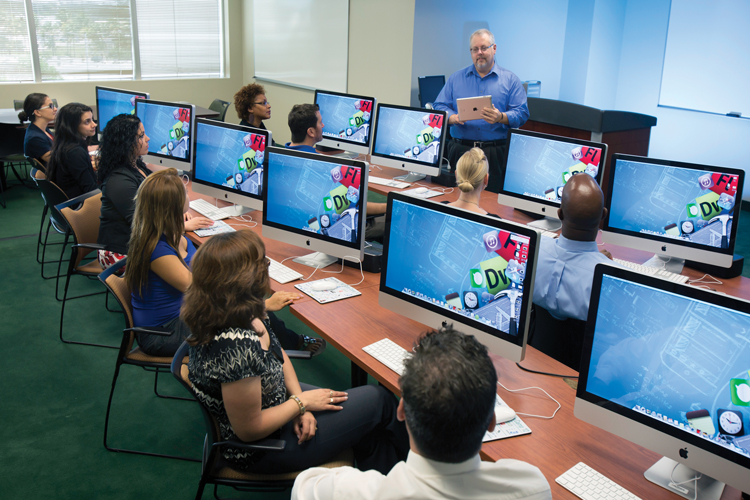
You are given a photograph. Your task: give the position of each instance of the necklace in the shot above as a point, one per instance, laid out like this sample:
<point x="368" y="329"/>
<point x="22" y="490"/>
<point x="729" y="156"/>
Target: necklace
<point x="465" y="201"/>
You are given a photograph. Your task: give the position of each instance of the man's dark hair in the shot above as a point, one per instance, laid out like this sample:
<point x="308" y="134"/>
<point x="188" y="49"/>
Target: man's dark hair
<point x="301" y="118"/>
<point x="448" y="387"/>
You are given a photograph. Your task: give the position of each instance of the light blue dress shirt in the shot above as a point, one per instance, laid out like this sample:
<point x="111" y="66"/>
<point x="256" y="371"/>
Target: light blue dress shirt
<point x="564" y="275"/>
<point x="507" y="94"/>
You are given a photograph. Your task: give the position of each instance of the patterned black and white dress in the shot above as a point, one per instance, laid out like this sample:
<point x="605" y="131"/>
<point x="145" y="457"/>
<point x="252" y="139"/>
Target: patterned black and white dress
<point x="233" y="355"/>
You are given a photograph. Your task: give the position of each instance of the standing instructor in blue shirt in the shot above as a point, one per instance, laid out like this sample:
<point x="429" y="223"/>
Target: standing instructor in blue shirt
<point x="509" y="110"/>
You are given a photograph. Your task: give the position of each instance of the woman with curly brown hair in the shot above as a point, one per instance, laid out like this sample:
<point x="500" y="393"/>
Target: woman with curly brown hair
<point x="252" y="106"/>
<point x="240" y="372"/>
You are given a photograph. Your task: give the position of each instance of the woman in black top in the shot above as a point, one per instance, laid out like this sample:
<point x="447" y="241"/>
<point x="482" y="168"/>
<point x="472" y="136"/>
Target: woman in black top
<point x="38" y="140"/>
<point x="252" y="106"/>
<point x="69" y="165"/>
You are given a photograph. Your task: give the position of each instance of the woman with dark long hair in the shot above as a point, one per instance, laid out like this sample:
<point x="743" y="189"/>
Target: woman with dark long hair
<point x="69" y="164"/>
<point x="241" y="373"/>
<point x="41" y="111"/>
<point x="121" y="171"/>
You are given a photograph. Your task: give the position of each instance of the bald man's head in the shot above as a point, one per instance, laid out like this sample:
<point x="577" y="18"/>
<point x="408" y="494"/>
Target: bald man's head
<point x="582" y="208"/>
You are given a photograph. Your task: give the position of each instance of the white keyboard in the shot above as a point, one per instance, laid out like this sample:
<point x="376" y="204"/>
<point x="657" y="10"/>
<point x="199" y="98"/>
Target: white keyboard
<point x="219" y="227"/>
<point x="586" y="483"/>
<point x="653" y="271"/>
<point x="389" y="353"/>
<point x="388" y="182"/>
<point x="549" y="234"/>
<point x="207" y="209"/>
<point x="282" y="274"/>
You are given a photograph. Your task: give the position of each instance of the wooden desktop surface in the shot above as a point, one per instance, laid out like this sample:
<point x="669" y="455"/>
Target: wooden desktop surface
<point x="554" y="445"/>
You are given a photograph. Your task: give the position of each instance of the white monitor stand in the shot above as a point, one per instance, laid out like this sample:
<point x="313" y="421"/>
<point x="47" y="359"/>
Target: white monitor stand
<point x="679" y="479"/>
<point x="546" y="224"/>
<point x="671" y="264"/>
<point x="410" y="177"/>
<point x="318" y="260"/>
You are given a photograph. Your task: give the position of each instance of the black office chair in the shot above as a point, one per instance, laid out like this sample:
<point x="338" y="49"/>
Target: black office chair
<point x="558" y="339"/>
<point x="220" y="107"/>
<point x="429" y="88"/>
<point x="52" y="196"/>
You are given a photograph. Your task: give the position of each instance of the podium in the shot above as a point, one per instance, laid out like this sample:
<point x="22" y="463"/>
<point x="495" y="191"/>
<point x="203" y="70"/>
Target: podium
<point x="622" y="131"/>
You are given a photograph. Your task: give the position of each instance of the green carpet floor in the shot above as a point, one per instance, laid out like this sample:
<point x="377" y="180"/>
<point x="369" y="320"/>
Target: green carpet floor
<point x="54" y="395"/>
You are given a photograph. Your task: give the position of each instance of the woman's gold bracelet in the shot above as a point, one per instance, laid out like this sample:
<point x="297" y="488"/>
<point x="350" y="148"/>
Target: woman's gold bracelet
<point x="299" y="403"/>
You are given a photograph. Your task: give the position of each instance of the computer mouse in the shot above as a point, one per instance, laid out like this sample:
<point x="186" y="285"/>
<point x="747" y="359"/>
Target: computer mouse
<point x="504" y="414"/>
<point x="420" y="190"/>
<point x="322" y="286"/>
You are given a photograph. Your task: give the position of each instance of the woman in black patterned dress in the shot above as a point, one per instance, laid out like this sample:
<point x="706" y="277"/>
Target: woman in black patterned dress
<point x="247" y="381"/>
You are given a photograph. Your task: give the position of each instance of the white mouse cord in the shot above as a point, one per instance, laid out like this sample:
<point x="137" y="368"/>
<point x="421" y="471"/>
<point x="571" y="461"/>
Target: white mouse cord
<point x="527" y="388"/>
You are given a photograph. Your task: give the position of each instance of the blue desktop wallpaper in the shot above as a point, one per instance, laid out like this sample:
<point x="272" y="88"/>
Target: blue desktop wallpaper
<point x="457" y="264"/>
<point x="677" y="359"/>
<point x="673" y="202"/>
<point x="316" y="196"/>
<point x="409" y="134"/>
<point x="539" y="167"/>
<point x="168" y="127"/>
<point x="230" y="158"/>
<point x="111" y="104"/>
<point x="344" y="117"/>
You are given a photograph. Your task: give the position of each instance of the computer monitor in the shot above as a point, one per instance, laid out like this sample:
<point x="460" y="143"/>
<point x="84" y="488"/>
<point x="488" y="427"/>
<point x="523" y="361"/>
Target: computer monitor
<point x="443" y="264"/>
<point x="429" y="88"/>
<point x="228" y="163"/>
<point x="665" y="366"/>
<point x="538" y="166"/>
<point x="169" y="125"/>
<point x="676" y="210"/>
<point x="411" y="139"/>
<point x="112" y="102"/>
<point x="315" y="202"/>
<point x="347" y="121"/>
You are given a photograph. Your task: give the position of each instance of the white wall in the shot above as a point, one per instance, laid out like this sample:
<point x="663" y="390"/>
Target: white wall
<point x="379" y="64"/>
<point x="195" y="91"/>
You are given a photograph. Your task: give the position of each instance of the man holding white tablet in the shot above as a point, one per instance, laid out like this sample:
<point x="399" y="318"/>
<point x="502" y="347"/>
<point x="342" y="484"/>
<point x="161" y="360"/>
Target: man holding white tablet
<point x="508" y="107"/>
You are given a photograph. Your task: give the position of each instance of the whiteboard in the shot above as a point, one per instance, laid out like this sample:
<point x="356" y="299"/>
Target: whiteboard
<point x="707" y="57"/>
<point x="304" y="43"/>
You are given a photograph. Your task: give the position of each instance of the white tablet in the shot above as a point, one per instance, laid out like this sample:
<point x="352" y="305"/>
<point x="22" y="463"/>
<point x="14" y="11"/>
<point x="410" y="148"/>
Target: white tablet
<point x="470" y="108"/>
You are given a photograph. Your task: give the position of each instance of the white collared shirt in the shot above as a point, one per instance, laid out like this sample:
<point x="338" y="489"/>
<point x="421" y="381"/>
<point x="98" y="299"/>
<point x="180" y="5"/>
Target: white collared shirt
<point x="420" y="477"/>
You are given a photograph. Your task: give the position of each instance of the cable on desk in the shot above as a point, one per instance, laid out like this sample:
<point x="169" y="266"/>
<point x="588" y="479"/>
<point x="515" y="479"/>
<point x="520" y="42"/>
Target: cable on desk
<point x="342" y="269"/>
<point x="294" y="257"/>
<point x="702" y="280"/>
<point x="244" y="218"/>
<point x="544" y="373"/>
<point x="445" y="190"/>
<point x="529" y="414"/>
<point x="673" y="483"/>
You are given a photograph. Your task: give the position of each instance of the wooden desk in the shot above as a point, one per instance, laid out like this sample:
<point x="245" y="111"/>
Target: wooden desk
<point x="554" y="445"/>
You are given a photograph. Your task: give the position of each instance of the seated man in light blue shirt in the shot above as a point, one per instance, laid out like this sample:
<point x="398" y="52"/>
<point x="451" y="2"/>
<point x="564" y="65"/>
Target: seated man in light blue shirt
<point x="448" y="398"/>
<point x="509" y="109"/>
<point x="565" y="267"/>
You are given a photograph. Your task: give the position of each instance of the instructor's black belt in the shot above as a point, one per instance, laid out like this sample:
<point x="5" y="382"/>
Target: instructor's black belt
<point x="479" y="144"/>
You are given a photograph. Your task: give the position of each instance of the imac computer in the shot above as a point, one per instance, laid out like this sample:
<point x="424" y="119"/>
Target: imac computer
<point x="228" y="163"/>
<point x="113" y="102"/>
<point x="347" y="121"/>
<point x="442" y="264"/>
<point x="315" y="202"/>
<point x="411" y="139"/>
<point x="676" y="210"/>
<point x="666" y="366"/>
<point x="538" y="166"/>
<point x="170" y="126"/>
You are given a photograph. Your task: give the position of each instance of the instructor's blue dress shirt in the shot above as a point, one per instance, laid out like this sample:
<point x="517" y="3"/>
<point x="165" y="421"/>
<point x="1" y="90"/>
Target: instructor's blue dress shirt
<point x="564" y="275"/>
<point x="507" y="94"/>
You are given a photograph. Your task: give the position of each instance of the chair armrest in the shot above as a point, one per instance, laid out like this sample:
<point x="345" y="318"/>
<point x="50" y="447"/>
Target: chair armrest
<point x="298" y="354"/>
<point x="73" y="202"/>
<point x="92" y="246"/>
<point x="259" y="445"/>
<point x="151" y="330"/>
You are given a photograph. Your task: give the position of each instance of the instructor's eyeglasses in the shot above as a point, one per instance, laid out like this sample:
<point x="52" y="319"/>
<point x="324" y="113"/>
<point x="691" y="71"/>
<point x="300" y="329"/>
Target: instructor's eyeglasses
<point x="476" y="50"/>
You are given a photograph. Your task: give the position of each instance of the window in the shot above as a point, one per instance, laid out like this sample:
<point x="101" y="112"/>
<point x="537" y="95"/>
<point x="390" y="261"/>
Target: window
<point x="74" y="40"/>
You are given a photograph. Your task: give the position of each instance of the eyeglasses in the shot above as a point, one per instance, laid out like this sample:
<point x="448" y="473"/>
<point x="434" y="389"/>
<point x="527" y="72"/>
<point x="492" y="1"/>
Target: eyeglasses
<point x="262" y="103"/>
<point x="476" y="50"/>
<point x="49" y="106"/>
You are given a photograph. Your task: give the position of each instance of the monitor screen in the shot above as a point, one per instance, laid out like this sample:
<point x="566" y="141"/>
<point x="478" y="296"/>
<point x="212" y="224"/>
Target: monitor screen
<point x="315" y="201"/>
<point x="470" y="269"/>
<point x="347" y="120"/>
<point x="169" y="125"/>
<point x="409" y="138"/>
<point x="229" y="161"/>
<point x="539" y="165"/>
<point x="113" y="102"/>
<point x="672" y="361"/>
<point x="688" y="206"/>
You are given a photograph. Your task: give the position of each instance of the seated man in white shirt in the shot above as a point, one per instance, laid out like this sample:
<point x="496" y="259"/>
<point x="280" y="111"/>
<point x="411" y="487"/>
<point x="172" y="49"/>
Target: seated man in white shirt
<point x="448" y="397"/>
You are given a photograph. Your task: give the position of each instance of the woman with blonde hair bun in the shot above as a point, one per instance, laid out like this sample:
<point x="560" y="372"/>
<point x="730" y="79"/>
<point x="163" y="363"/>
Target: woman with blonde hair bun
<point x="472" y="177"/>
